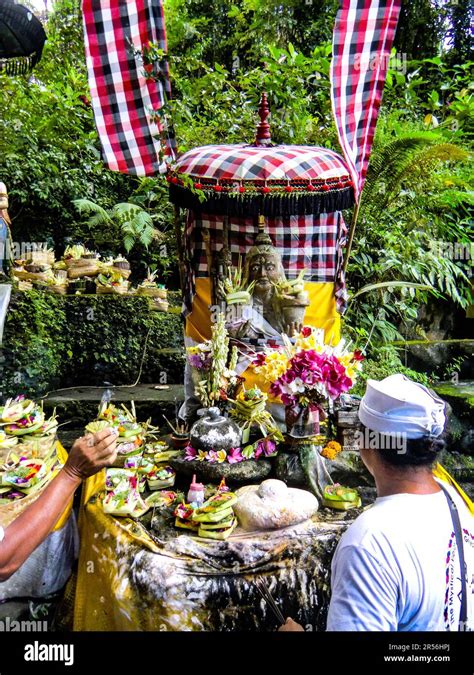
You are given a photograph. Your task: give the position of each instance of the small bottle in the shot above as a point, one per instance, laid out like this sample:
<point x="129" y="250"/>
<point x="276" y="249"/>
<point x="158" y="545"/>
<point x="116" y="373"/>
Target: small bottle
<point x="196" y="493"/>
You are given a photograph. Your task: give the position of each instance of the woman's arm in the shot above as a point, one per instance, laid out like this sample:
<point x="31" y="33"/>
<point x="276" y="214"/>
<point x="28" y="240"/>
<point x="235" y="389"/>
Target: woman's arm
<point x="88" y="455"/>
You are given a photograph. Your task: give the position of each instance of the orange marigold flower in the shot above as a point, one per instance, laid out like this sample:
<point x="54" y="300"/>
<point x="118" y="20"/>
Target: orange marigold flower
<point x="331" y="450"/>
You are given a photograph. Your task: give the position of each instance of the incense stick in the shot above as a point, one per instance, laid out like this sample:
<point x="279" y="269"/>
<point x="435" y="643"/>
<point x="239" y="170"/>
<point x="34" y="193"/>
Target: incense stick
<point x="269" y="599"/>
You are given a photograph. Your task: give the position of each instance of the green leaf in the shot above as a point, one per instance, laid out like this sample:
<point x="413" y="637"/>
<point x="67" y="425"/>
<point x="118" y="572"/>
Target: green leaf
<point x="390" y="284"/>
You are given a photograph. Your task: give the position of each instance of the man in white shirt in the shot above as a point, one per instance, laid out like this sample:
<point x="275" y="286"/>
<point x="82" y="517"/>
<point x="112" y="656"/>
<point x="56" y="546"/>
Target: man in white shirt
<point x="397" y="567"/>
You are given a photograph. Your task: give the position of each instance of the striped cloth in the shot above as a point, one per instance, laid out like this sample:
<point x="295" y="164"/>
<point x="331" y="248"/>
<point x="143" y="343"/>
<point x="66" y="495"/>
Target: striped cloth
<point x="311" y="242"/>
<point x="128" y="106"/>
<point x="362" y="41"/>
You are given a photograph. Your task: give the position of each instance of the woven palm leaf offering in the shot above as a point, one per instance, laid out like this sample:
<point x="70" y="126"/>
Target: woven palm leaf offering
<point x="7" y="446"/>
<point x="57" y="284"/>
<point x="249" y="410"/>
<point x="215" y="519"/>
<point x="131" y="436"/>
<point x="111" y="282"/>
<point x="151" y="287"/>
<point x="140" y="467"/>
<point x="126" y="488"/>
<point x="124" y="499"/>
<point x="121" y="266"/>
<point x="80" y="262"/>
<point x="341" y="498"/>
<point x="159" y="451"/>
<point x="22" y="419"/>
<point x="32" y="271"/>
<point x="41" y="255"/>
<point x="28" y="452"/>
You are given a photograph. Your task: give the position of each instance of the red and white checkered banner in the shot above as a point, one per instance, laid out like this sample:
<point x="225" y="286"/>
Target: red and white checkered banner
<point x="129" y="83"/>
<point x="362" y="41"/>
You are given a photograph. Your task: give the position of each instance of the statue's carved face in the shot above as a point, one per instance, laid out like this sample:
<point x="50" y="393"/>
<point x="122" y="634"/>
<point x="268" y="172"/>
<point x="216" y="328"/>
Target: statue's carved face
<point x="264" y="269"/>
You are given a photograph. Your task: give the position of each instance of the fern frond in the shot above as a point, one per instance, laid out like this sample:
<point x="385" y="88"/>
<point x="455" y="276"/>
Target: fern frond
<point x="421" y="164"/>
<point x="403" y="159"/>
<point x="126" y="210"/>
<point x="87" y="207"/>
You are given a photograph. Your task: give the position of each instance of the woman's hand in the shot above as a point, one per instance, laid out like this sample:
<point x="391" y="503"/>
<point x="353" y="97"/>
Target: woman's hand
<point x="91" y="453"/>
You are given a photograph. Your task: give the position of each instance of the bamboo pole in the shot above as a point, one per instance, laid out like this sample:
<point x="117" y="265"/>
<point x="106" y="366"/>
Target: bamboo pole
<point x="179" y="244"/>
<point x="352" y="228"/>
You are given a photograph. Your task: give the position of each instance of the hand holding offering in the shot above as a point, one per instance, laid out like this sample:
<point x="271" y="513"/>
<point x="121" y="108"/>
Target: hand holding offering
<point x="91" y="453"/>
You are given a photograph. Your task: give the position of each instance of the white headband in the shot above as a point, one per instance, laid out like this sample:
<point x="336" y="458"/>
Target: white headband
<point x="398" y="405"/>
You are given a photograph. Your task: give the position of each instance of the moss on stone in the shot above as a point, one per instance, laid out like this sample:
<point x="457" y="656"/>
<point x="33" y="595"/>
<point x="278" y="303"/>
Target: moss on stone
<point x="459" y="396"/>
<point x="460" y="466"/>
<point x="464" y="390"/>
<point x="62" y="341"/>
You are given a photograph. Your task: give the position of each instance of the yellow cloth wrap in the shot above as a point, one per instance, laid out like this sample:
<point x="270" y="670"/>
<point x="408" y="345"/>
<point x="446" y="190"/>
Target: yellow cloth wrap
<point x="62" y="455"/>
<point x="104" y="599"/>
<point x="198" y="322"/>
<point x="10" y="512"/>
<point x="321" y="313"/>
<point x="441" y="473"/>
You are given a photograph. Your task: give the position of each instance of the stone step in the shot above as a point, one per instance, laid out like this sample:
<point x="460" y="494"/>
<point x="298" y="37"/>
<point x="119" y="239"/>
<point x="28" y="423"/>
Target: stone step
<point x="76" y="406"/>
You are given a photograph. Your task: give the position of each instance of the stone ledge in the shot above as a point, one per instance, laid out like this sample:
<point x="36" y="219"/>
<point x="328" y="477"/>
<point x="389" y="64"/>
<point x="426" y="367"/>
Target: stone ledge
<point x="76" y="406"/>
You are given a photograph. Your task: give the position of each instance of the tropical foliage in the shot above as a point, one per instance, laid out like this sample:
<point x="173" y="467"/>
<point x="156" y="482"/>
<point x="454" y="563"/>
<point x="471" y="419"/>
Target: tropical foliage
<point x="222" y="55"/>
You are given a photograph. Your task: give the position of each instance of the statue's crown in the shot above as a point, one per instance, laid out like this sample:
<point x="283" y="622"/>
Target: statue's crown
<point x="262" y="238"/>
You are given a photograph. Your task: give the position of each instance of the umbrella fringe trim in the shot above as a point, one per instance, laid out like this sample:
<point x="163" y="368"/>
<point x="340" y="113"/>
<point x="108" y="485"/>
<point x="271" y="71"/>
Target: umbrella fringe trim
<point x="20" y="65"/>
<point x="246" y="205"/>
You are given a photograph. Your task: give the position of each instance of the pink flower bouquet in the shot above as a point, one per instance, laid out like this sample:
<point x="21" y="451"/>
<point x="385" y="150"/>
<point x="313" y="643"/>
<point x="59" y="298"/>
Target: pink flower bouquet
<point x="308" y="373"/>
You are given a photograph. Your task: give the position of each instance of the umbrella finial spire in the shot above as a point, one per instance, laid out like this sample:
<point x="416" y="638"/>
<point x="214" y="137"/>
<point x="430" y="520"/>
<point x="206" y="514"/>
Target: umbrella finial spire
<point x="263" y="136"/>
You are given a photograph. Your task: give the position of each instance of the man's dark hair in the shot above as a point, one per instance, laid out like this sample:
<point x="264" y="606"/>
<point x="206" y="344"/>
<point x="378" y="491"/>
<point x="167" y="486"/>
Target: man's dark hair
<point x="418" y="452"/>
<point x="422" y="451"/>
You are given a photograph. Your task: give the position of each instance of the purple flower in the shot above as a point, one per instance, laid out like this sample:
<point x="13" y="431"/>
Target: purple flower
<point x="195" y="360"/>
<point x="259" y="360"/>
<point x="200" y="361"/>
<point x="269" y="447"/>
<point x="311" y="370"/>
<point x="336" y="379"/>
<point x="234" y="456"/>
<point x="190" y="453"/>
<point x="212" y="456"/>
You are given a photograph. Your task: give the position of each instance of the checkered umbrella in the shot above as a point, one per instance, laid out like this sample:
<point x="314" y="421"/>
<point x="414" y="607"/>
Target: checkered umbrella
<point x="22" y="38"/>
<point x="273" y="180"/>
<point x="241" y="179"/>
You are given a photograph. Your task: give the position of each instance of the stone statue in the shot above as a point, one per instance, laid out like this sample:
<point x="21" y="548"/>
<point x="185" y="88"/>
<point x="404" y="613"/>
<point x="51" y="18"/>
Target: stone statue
<point x="276" y="307"/>
<point x="264" y="268"/>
